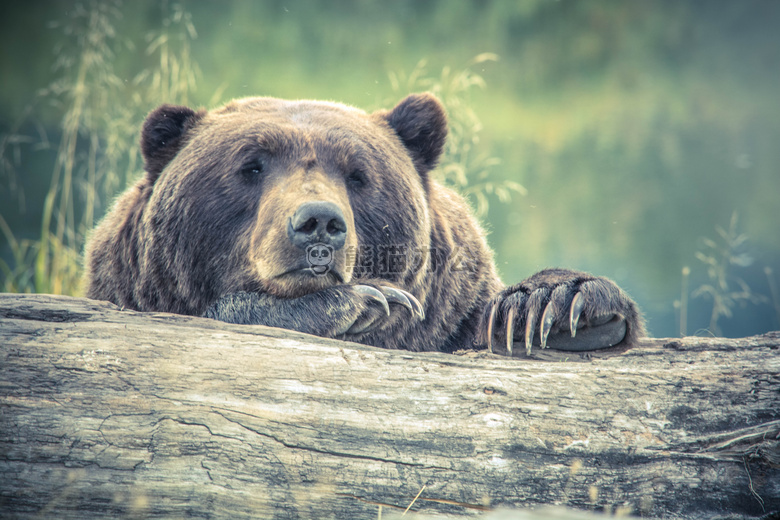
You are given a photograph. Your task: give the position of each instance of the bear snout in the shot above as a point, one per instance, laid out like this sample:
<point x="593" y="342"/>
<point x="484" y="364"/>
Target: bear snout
<point x="317" y="222"/>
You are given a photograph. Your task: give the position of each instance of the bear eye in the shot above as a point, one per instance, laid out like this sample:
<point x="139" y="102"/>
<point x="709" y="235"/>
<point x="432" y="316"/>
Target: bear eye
<point x="252" y="169"/>
<point x="357" y="178"/>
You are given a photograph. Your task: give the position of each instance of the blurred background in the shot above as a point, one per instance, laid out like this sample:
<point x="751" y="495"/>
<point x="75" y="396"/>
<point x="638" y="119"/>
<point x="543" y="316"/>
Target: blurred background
<point x="636" y="140"/>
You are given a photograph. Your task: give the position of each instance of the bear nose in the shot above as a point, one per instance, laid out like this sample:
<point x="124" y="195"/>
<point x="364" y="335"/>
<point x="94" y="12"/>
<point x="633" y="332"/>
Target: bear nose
<point x="317" y="222"/>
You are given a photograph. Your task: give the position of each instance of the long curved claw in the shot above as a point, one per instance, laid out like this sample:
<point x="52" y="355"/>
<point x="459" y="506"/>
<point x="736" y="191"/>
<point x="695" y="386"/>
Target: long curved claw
<point x="530" y="324"/>
<point x="393" y="295"/>
<point x="547" y="320"/>
<point x="376" y="294"/>
<point x="417" y="306"/>
<point x="491" y="318"/>
<point x="577" y="304"/>
<point x="406" y="299"/>
<point x="510" y="330"/>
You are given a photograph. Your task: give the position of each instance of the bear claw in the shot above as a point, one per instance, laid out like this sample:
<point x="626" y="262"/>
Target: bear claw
<point x="491" y="319"/>
<point x="396" y="296"/>
<point x="547" y="322"/>
<point x="577" y="304"/>
<point x="417" y="306"/>
<point x="404" y="298"/>
<point x="376" y="294"/>
<point x="386" y="295"/>
<point x="530" y="325"/>
<point x="526" y="310"/>
<point x="510" y="330"/>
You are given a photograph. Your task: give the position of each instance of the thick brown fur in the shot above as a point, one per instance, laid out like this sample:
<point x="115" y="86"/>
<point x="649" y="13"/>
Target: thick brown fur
<point x="207" y="231"/>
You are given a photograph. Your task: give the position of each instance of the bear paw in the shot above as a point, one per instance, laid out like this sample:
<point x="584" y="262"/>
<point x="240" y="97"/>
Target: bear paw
<point x="564" y="310"/>
<point x="382" y="296"/>
<point x="338" y="311"/>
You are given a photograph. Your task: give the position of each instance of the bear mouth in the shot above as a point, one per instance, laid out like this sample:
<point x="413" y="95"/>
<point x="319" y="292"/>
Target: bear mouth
<point x="309" y="273"/>
<point x="302" y="281"/>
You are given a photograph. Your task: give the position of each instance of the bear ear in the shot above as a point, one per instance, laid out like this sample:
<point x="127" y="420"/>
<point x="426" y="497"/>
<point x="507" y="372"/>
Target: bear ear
<point x="421" y="123"/>
<point x="161" y="137"/>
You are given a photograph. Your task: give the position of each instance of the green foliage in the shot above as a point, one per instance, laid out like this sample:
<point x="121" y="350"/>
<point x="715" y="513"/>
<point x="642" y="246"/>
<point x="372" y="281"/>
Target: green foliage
<point x="98" y="139"/>
<point x="97" y="145"/>
<point x="724" y="288"/>
<point x="463" y="166"/>
<point x="18" y="276"/>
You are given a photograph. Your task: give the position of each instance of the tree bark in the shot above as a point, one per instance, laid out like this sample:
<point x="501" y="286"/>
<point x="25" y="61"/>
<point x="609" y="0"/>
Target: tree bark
<point x="108" y="413"/>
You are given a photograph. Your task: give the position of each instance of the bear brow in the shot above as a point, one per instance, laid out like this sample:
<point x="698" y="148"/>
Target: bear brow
<point x="271" y="139"/>
<point x="347" y="146"/>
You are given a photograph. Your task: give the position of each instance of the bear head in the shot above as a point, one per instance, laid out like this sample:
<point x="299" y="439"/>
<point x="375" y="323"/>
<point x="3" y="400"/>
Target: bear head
<point x="237" y="198"/>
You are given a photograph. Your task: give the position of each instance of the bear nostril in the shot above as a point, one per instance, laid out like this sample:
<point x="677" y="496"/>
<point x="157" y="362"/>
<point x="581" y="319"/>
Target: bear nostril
<point x="317" y="222"/>
<point x="308" y="226"/>
<point x="335" y="226"/>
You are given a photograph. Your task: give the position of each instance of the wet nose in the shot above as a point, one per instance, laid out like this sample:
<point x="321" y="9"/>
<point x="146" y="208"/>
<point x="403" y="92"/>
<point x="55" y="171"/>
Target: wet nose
<point x="317" y="222"/>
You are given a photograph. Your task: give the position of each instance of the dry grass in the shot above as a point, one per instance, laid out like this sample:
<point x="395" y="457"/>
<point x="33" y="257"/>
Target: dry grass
<point x="724" y="288"/>
<point x="98" y="135"/>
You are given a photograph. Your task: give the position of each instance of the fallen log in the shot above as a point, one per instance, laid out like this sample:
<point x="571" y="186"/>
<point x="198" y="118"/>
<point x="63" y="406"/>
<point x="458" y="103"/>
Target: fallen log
<point x="109" y="413"/>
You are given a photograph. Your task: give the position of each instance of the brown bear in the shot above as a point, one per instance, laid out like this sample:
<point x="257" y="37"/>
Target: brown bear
<point x="321" y="218"/>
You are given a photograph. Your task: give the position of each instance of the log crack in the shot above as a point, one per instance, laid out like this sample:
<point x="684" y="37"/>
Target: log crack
<point x="341" y="454"/>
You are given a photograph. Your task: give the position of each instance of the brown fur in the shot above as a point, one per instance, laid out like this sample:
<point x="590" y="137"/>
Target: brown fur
<point x="205" y="230"/>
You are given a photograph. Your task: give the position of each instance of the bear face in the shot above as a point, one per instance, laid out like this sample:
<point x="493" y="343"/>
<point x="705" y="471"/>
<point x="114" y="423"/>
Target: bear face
<point x="322" y="218"/>
<point x="235" y="196"/>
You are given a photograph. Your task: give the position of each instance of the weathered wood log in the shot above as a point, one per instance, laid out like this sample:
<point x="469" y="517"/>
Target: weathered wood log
<point x="113" y="413"/>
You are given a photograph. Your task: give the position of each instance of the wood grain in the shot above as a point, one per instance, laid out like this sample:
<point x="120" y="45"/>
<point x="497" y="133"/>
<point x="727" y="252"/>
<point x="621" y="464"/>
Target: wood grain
<point x="108" y="413"/>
